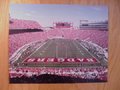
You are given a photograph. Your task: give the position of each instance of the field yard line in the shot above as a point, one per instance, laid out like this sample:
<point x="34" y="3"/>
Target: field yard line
<point x="56" y="50"/>
<point x="47" y="46"/>
<point x="87" y="51"/>
<point x="77" y="48"/>
<point x="66" y="52"/>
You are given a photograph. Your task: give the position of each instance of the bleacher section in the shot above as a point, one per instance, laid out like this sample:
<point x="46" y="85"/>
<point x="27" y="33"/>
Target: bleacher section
<point x="23" y="24"/>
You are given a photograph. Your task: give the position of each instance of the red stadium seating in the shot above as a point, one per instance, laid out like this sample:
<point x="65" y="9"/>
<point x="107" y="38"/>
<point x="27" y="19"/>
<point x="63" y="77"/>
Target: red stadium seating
<point x="96" y="36"/>
<point x="23" y="24"/>
<point x="18" y="40"/>
<point x="84" y="73"/>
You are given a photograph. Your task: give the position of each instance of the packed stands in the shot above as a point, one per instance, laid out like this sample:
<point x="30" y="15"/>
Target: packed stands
<point x="24" y="24"/>
<point x="18" y="40"/>
<point x="95" y="49"/>
<point x="27" y="42"/>
<point x="99" y="73"/>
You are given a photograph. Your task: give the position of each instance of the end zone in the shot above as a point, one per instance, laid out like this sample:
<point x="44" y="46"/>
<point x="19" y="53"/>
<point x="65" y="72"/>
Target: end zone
<point x="60" y="60"/>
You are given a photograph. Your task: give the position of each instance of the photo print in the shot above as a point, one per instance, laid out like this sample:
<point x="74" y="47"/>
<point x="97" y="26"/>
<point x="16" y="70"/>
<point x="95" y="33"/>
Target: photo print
<point x="58" y="43"/>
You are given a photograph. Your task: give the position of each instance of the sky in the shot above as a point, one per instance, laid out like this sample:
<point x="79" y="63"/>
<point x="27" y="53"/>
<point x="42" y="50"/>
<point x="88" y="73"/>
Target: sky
<point x="46" y="14"/>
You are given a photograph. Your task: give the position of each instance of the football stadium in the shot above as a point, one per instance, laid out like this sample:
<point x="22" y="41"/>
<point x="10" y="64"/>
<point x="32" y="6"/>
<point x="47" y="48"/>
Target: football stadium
<point x="61" y="53"/>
